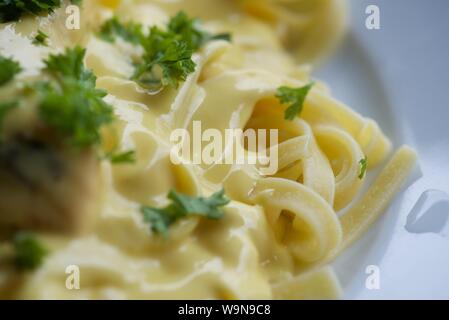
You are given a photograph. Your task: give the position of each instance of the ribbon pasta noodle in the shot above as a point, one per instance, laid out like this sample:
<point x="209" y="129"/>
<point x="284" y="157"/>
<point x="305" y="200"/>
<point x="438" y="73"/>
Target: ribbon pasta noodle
<point x="281" y="230"/>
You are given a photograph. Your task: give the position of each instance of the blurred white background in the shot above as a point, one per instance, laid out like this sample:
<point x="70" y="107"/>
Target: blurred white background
<point x="399" y="75"/>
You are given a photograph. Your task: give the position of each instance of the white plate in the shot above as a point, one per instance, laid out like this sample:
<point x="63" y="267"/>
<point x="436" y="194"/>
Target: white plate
<point x="399" y="75"/>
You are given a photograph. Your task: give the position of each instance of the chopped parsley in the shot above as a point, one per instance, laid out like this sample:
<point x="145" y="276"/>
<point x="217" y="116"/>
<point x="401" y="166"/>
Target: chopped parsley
<point x="295" y="97"/>
<point x="166" y="61"/>
<point x="182" y="206"/>
<point x="8" y="69"/>
<point x="363" y="165"/>
<point x="167" y="58"/>
<point x="189" y="30"/>
<point x="122" y="157"/>
<point x="71" y="103"/>
<point x="29" y="252"/>
<point x="130" y="32"/>
<point x="12" y="10"/>
<point x="40" y="38"/>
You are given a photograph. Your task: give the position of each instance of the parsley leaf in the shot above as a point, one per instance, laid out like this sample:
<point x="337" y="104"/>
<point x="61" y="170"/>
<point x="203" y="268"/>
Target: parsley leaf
<point x="131" y="32"/>
<point x="206" y="207"/>
<point x="29" y="252"/>
<point x="8" y="69"/>
<point x="167" y="58"/>
<point x="166" y="61"/>
<point x="363" y="165"/>
<point x="40" y="38"/>
<point x="70" y="65"/>
<point x="295" y="98"/>
<point x="190" y="31"/>
<point x="160" y="219"/>
<point x="12" y="10"/>
<point x="121" y="158"/>
<point x="71" y="104"/>
<point x="183" y="206"/>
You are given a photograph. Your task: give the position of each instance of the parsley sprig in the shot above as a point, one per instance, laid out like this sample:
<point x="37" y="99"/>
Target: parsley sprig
<point x="40" y="39"/>
<point x="190" y="31"/>
<point x="167" y="58"/>
<point x="166" y="61"/>
<point x="71" y="103"/>
<point x="363" y="166"/>
<point x="14" y="10"/>
<point x="9" y="68"/>
<point x="183" y="206"/>
<point x="29" y="252"/>
<point x="121" y="157"/>
<point x="130" y="31"/>
<point x="295" y="97"/>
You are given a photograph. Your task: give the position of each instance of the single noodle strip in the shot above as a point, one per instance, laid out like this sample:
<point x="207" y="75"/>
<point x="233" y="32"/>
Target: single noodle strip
<point x="376" y="200"/>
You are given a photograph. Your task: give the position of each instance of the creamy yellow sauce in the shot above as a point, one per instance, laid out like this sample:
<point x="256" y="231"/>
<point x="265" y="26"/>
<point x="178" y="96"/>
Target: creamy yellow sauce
<point x="278" y="231"/>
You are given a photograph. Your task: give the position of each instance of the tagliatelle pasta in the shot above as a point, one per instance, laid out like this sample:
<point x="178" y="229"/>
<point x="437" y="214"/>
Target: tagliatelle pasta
<point x="281" y="228"/>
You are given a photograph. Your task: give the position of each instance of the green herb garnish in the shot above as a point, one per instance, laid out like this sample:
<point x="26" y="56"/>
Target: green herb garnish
<point x="167" y="58"/>
<point x="122" y="157"/>
<point x="166" y="61"/>
<point x="130" y="32"/>
<point x="29" y="252"/>
<point x="363" y="165"/>
<point x="181" y="207"/>
<point x="8" y="69"/>
<point x="40" y="38"/>
<point x="71" y="103"/>
<point x="295" y="98"/>
<point x="189" y="30"/>
<point x="12" y="10"/>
